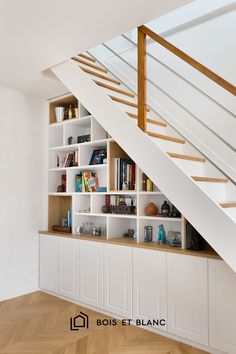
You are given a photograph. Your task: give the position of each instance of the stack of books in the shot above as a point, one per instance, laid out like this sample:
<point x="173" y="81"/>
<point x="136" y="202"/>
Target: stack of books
<point x="86" y="181"/>
<point x="124" y="174"/>
<point x="71" y="159"/>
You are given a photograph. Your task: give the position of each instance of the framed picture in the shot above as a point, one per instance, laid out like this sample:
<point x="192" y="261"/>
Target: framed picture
<point x="98" y="156"/>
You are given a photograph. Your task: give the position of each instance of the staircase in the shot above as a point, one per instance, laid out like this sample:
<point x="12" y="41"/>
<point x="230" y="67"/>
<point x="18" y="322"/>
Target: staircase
<point x="203" y="194"/>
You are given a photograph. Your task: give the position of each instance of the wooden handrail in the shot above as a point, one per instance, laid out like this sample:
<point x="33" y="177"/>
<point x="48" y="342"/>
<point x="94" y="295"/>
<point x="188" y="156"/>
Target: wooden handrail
<point x="189" y="60"/>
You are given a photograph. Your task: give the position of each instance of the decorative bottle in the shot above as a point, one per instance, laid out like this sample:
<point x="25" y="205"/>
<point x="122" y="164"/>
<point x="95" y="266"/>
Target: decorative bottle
<point x="161" y="234"/>
<point x="70" y="112"/>
<point x="69" y="218"/>
<point x="76" y="115"/>
<point x="165" y="209"/>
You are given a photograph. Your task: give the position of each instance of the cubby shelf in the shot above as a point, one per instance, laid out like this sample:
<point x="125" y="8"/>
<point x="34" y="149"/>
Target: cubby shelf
<point x="79" y="121"/>
<point x="151" y="193"/>
<point x="85" y="167"/>
<point x="95" y="143"/>
<point x="116" y="225"/>
<point x="159" y="218"/>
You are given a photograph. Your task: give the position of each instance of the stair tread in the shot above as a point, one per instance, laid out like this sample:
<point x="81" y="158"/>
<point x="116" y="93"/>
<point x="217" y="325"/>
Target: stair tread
<point x="101" y="76"/>
<point x="128" y="103"/>
<point x="109" y="87"/>
<point x="228" y="205"/>
<point x="166" y="137"/>
<point x="85" y="56"/>
<point x="149" y="120"/>
<point x="96" y="67"/>
<point x="210" y="179"/>
<point x="186" y="157"/>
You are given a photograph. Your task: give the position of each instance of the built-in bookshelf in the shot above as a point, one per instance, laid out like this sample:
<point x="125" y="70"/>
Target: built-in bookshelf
<point x="115" y="213"/>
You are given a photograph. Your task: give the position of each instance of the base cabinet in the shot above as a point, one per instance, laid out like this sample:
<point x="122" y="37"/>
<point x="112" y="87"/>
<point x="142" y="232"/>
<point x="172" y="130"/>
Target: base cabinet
<point x="118" y="280"/>
<point x="222" y="307"/>
<point x="187" y="297"/>
<point x="189" y="292"/>
<point x="149" y="286"/>
<point x="91" y="273"/>
<point x="48" y="263"/>
<point x="68" y="267"/>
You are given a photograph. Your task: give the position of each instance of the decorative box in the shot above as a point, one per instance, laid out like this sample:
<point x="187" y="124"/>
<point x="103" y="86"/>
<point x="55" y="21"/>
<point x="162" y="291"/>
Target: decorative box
<point x="83" y="138"/>
<point x="122" y="208"/>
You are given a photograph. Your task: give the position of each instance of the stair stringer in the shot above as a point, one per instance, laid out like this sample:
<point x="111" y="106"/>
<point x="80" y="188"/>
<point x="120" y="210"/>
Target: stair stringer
<point x="203" y="213"/>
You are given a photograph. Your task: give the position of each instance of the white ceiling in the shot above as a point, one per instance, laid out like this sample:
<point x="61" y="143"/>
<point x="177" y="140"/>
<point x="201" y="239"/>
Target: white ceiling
<point x="37" y="34"/>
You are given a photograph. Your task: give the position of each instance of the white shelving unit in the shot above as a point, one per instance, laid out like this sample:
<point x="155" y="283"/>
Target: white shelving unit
<point x="87" y="207"/>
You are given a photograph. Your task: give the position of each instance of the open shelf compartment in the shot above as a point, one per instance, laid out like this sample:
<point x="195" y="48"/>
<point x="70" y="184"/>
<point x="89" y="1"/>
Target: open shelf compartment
<point x="58" y="207"/>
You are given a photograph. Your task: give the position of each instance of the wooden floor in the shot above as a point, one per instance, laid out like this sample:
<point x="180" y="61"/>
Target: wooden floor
<point x="40" y="323"/>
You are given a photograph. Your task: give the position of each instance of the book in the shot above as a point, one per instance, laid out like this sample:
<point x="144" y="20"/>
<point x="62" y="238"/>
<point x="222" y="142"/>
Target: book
<point x="78" y="183"/>
<point x="124" y="174"/>
<point x="86" y="181"/>
<point x="71" y="159"/>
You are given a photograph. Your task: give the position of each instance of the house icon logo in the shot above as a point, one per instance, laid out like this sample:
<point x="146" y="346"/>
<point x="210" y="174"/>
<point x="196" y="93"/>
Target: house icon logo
<point x="80" y="321"/>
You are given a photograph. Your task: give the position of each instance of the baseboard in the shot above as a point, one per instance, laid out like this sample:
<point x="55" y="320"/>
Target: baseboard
<point x="13" y="294"/>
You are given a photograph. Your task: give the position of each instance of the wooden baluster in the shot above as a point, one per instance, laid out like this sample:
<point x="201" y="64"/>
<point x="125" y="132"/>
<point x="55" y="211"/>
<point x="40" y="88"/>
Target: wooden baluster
<point x="142" y="94"/>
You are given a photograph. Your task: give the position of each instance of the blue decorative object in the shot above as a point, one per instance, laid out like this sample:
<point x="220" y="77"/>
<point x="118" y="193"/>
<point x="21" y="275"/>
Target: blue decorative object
<point x="101" y="189"/>
<point x="161" y="234"/>
<point x="69" y="218"/>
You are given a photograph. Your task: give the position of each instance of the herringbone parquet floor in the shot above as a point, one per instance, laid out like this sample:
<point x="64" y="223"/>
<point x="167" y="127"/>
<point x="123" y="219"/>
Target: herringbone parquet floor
<point x="39" y="323"/>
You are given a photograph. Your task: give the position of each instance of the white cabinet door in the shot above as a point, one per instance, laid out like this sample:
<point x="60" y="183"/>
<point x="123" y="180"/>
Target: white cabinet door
<point x="222" y="307"/>
<point x="68" y="268"/>
<point x="187" y="294"/>
<point x="91" y="273"/>
<point x="118" y="280"/>
<point x="48" y="261"/>
<point x="149" y="286"/>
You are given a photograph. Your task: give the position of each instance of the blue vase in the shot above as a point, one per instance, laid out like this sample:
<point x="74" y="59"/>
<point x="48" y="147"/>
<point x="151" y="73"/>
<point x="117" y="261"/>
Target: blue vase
<point x="161" y="234"/>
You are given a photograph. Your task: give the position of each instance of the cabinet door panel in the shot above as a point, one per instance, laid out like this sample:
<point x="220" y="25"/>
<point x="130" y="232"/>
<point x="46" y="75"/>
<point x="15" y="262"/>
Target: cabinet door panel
<point x="187" y="291"/>
<point x="149" y="285"/>
<point x="222" y="306"/>
<point x="118" y="280"/>
<point x="68" y="269"/>
<point x="48" y="260"/>
<point x="91" y="273"/>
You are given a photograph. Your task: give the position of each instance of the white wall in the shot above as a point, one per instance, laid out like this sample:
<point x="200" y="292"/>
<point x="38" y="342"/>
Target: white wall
<point x="23" y="189"/>
<point x="211" y="42"/>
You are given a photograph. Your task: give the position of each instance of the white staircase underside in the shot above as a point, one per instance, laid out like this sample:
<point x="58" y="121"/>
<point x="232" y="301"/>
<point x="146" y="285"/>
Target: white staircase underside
<point x="198" y="201"/>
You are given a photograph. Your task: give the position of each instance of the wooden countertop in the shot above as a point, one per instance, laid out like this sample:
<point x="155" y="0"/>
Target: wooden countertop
<point x="125" y="241"/>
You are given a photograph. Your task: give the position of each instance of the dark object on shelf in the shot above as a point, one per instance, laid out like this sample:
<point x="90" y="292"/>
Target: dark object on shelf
<point x="194" y="241"/>
<point x="175" y="212"/>
<point x="83" y="138"/>
<point x="151" y="209"/>
<point x="70" y="140"/>
<point x="148" y="230"/>
<point x="98" y="156"/>
<point x="130" y="233"/>
<point x="60" y="228"/>
<point x="123" y="208"/>
<point x="165" y="209"/>
<point x="97" y="231"/>
<point x="106" y="209"/>
<point x="62" y="187"/>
